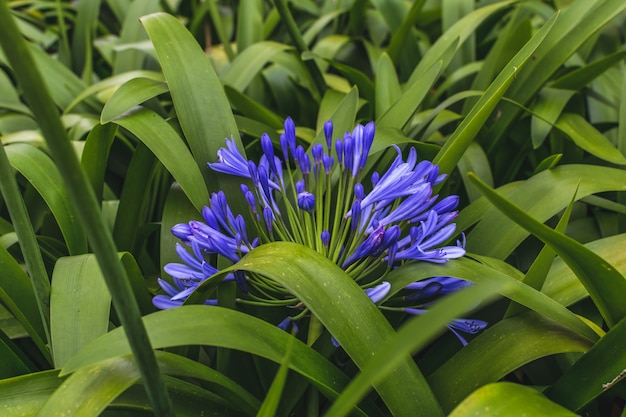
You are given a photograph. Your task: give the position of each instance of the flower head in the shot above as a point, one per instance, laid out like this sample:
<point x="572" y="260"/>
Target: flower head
<point x="366" y="226"/>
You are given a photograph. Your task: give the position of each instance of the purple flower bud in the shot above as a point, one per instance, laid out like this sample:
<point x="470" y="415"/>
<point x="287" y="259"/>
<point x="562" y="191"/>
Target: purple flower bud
<point x="368" y="139"/>
<point x="325" y="238"/>
<point x="290" y="134"/>
<point x="318" y="151"/>
<point x="299" y="186"/>
<point x="328" y="133"/>
<point x="327" y="162"/>
<point x="303" y="160"/>
<point x="359" y="192"/>
<point x="306" y="201"/>
<point x="251" y="200"/>
<point x="253" y="173"/>
<point x="375" y="178"/>
<point x="182" y="231"/>
<point x="268" y="150"/>
<point x="284" y="325"/>
<point x="339" y="149"/>
<point x="348" y="155"/>
<point x="244" y="189"/>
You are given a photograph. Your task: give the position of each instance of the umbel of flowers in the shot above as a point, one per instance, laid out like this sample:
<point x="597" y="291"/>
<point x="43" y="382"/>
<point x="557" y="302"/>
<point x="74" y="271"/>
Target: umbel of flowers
<point x="366" y="224"/>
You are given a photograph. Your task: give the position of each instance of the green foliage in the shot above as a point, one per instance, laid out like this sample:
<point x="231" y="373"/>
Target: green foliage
<point x="521" y="104"/>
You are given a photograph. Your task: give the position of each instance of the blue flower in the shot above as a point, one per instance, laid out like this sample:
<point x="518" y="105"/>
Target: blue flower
<point x="470" y="326"/>
<point x="365" y="226"/>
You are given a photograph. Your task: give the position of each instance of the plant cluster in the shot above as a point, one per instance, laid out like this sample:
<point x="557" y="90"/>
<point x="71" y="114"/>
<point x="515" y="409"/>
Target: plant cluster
<point x="312" y="208"/>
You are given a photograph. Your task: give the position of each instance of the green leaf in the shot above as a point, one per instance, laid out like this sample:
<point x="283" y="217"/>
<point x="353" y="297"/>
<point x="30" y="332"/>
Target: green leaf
<point x="469" y="127"/>
<point x="551" y="190"/>
<point x="580" y="77"/>
<point x="350" y="316"/>
<point x="217" y="326"/>
<point x="272" y="399"/>
<point x="403" y="108"/>
<point x="170" y="149"/>
<point x="131" y="94"/>
<point x="454" y="37"/>
<point x="481" y="273"/>
<point x="601" y="368"/>
<point x="509" y="400"/>
<point x="199" y="99"/>
<point x="588" y="138"/>
<point x="250" y="62"/>
<point x="80" y="292"/>
<point x="41" y="172"/>
<point x="409" y="339"/>
<point x="249" y="24"/>
<point x="499" y="350"/>
<point x="386" y="84"/>
<point x="95" y="155"/>
<point x="605" y="293"/>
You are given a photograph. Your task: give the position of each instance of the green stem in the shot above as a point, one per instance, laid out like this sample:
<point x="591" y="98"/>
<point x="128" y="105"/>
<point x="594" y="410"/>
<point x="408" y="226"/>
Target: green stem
<point x="84" y="201"/>
<point x="294" y="33"/>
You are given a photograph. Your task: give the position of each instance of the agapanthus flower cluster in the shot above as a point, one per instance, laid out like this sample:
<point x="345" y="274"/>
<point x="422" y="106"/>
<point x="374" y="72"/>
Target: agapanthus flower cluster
<point x="325" y="198"/>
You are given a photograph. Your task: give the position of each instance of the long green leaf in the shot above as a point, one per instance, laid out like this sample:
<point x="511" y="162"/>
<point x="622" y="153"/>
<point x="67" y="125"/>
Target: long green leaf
<point x="344" y="309"/>
<point x="499" y="350"/>
<point x="605" y="293"/>
<point x="217" y="326"/>
<point x="199" y="99"/>
<point x="41" y="172"/>
<point x="506" y="399"/>
<point x="467" y="130"/>
<point x="131" y="94"/>
<point x="480" y="273"/>
<point x="170" y="149"/>
<point x="250" y="62"/>
<point x="410" y="338"/>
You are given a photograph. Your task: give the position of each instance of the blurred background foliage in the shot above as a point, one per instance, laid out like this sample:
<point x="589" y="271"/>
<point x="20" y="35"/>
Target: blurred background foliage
<point x="527" y="95"/>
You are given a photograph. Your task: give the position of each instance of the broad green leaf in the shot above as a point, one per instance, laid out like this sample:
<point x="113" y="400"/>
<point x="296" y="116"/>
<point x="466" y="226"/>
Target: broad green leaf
<point x="467" y="130"/>
<point x="79" y="292"/>
<point x="41" y="172"/>
<point x="84" y="33"/>
<point x="548" y="163"/>
<point x="131" y="94"/>
<point x="250" y="62"/>
<point x="170" y="149"/>
<point x="588" y="138"/>
<point x="349" y="315"/>
<point x="403" y="108"/>
<point x="386" y="84"/>
<point x="409" y="339"/>
<point x="13" y="362"/>
<point x="500" y="349"/>
<point x="561" y="283"/>
<point x="600" y="369"/>
<point x="507" y="399"/>
<point x="199" y="99"/>
<point x="481" y="273"/>
<point x="217" y="326"/>
<point x="252" y="109"/>
<point x="605" y="293"/>
<point x="25" y="395"/>
<point x="551" y="192"/>
<point x="342" y="114"/>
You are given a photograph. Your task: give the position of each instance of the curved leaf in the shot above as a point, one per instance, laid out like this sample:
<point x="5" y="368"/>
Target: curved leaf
<point x="509" y="400"/>
<point x="217" y="326"/>
<point x="41" y="172"/>
<point x="129" y="95"/>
